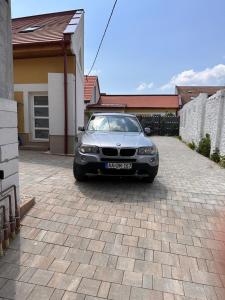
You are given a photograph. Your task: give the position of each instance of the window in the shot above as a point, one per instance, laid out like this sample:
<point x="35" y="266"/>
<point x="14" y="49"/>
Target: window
<point x="30" y="29"/>
<point x="41" y="117"/>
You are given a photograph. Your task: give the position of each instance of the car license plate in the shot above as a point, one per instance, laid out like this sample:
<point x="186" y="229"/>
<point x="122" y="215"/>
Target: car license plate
<point x="118" y="166"/>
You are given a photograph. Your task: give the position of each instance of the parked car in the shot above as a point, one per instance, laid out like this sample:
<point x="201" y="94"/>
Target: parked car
<point x="115" y="144"/>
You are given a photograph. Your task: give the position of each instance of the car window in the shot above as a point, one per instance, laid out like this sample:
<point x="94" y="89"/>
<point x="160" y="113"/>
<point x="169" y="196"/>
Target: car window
<point x="114" y="123"/>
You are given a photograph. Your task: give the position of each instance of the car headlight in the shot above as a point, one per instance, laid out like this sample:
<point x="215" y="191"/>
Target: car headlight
<point x="89" y="149"/>
<point x="147" y="150"/>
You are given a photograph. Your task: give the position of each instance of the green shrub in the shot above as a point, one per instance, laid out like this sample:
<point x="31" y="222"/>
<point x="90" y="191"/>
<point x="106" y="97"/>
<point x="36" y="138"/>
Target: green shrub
<point x="179" y="138"/>
<point x="215" y="156"/>
<point x="222" y="161"/>
<point x="192" y="145"/>
<point x="204" y="146"/>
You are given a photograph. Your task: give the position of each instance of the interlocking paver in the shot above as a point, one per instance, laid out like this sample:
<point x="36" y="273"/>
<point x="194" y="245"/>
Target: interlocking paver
<point x="99" y="259"/>
<point x="168" y="285"/>
<point x="166" y="258"/>
<point x="89" y="287"/>
<point x="59" y="266"/>
<point x="119" y="292"/>
<point x="41" y="292"/>
<point x="16" y="290"/>
<point x="147" y="267"/>
<point x="77" y="255"/>
<point x="96" y="246"/>
<point x="145" y="294"/>
<point x="85" y="271"/>
<point x="108" y="274"/>
<point x="162" y="241"/>
<point x="104" y="289"/>
<point x="65" y="282"/>
<point x="132" y="278"/>
<point x="41" y="277"/>
<point x="125" y="263"/>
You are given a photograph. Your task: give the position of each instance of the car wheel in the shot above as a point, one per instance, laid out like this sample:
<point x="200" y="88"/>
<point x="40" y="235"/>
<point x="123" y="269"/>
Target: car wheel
<point x="78" y="173"/>
<point x="149" y="179"/>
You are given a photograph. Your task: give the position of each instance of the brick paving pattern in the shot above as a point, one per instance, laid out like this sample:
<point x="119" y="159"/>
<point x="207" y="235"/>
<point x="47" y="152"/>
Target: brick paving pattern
<point x="120" y="239"/>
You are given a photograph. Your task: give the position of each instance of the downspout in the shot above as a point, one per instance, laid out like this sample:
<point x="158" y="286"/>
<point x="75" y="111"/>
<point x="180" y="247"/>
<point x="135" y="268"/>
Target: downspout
<point x="65" y="99"/>
<point x="75" y="99"/>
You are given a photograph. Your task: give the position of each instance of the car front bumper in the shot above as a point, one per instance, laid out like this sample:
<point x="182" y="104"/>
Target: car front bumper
<point x="142" y="165"/>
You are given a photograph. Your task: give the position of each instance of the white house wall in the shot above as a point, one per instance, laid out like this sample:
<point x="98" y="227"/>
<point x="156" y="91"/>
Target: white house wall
<point x="56" y="103"/>
<point x="8" y="143"/>
<point x="77" y="46"/>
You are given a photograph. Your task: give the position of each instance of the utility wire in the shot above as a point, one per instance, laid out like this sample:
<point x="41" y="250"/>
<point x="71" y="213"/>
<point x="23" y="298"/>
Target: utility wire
<point x="99" y="47"/>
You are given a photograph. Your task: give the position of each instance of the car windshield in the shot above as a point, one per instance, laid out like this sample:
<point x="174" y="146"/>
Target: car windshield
<point x="114" y="123"/>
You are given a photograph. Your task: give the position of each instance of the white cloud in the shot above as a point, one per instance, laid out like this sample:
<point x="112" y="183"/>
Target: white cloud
<point x="209" y="76"/>
<point x="145" y="86"/>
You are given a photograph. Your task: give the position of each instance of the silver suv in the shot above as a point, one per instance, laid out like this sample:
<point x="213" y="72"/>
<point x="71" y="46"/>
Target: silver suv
<point x="115" y="144"/>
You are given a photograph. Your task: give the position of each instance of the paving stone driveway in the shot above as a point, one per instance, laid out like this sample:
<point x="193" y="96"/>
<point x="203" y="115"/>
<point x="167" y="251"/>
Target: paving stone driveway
<point x="120" y="239"/>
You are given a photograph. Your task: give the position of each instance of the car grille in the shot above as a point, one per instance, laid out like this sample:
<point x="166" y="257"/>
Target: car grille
<point x="110" y="151"/>
<point x="127" y="152"/>
<point x="118" y="152"/>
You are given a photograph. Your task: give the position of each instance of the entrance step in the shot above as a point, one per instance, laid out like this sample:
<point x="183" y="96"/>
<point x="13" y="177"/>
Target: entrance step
<point x="35" y="146"/>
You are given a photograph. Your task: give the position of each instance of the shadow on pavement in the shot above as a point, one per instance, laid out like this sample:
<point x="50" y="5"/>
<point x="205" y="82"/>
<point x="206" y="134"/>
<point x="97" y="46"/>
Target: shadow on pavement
<point x="125" y="189"/>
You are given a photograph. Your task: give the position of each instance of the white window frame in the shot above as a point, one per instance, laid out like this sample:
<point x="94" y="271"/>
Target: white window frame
<point x="39" y="117"/>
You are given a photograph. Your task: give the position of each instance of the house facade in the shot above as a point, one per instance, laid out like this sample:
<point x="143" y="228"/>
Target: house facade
<point x="91" y="90"/>
<point x="48" y="58"/>
<point x="136" y="104"/>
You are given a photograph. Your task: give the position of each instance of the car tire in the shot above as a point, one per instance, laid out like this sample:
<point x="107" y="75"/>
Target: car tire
<point x="149" y="179"/>
<point x="78" y="173"/>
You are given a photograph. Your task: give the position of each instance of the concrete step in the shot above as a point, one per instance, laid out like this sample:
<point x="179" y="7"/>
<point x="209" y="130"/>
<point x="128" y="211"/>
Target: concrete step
<point x="35" y="146"/>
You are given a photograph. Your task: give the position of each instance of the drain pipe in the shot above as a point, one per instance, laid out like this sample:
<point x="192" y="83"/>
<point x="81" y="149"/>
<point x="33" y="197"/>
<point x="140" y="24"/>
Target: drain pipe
<point x="17" y="211"/>
<point x="75" y="99"/>
<point x="5" y="227"/>
<point x="65" y="98"/>
<point x="12" y="220"/>
<point x="3" y="232"/>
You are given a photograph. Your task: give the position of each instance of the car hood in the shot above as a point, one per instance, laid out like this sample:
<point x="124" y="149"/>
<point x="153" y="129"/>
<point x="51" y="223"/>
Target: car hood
<point x="115" y="139"/>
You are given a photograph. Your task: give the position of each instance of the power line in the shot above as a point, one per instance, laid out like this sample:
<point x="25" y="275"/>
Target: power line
<point x="99" y="47"/>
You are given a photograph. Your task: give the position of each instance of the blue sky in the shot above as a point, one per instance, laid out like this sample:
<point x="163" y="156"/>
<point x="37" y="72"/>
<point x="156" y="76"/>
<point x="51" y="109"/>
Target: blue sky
<point x="151" y="45"/>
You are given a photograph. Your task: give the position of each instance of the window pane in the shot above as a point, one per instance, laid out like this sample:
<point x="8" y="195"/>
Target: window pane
<point x="40" y="100"/>
<point x="41" y="111"/>
<point x="41" y="134"/>
<point x="42" y="123"/>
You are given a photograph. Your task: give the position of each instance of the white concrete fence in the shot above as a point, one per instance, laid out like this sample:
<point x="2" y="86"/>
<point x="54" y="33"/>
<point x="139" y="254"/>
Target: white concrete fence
<point x="204" y="115"/>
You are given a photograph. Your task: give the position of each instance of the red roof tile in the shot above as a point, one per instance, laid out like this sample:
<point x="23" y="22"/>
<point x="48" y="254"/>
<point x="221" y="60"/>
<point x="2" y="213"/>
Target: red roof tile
<point x="89" y="84"/>
<point x="139" y="101"/>
<point x="51" y="29"/>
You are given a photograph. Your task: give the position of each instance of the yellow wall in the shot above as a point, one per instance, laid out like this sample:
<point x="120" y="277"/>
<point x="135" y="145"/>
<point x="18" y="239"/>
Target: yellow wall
<point x="35" y="70"/>
<point x="20" y="110"/>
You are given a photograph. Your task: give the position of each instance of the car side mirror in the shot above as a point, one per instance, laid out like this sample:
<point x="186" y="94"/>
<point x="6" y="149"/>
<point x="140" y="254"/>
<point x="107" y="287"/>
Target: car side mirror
<point x="147" y="131"/>
<point x="81" y="128"/>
